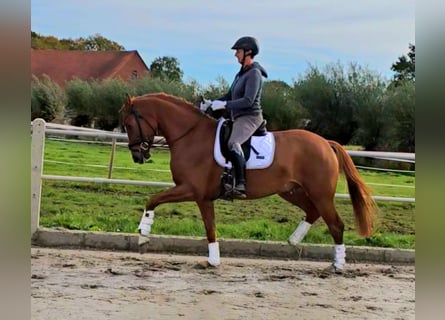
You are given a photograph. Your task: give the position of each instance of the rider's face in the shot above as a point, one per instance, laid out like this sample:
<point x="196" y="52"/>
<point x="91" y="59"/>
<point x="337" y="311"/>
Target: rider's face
<point x="239" y="54"/>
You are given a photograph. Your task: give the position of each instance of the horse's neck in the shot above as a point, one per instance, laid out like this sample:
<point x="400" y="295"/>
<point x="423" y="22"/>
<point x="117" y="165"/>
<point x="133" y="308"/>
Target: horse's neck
<point x="177" y="121"/>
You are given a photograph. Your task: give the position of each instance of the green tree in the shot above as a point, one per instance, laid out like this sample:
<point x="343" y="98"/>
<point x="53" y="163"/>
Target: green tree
<point x="344" y="104"/>
<point x="109" y="96"/>
<point x="97" y="42"/>
<point x="148" y="84"/>
<point x="327" y="99"/>
<point x="399" y="107"/>
<point x="94" y="42"/>
<point x="48" y="42"/>
<point x="280" y="108"/>
<point x="81" y="107"/>
<point x="166" y="68"/>
<point x="405" y="66"/>
<point x="215" y="90"/>
<point x="367" y="91"/>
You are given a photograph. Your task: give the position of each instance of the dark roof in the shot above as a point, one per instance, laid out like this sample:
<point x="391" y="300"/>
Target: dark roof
<point x="64" y="65"/>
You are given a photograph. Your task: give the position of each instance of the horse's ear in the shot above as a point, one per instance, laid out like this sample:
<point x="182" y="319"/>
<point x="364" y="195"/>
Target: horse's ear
<point x="129" y="100"/>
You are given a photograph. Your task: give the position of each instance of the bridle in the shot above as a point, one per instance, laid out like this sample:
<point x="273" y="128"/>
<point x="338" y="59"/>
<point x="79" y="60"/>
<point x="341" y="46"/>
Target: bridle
<point x="146" y="143"/>
<point x="143" y="142"/>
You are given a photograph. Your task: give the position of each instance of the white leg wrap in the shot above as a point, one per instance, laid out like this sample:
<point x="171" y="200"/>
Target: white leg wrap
<point x="299" y="232"/>
<point x="340" y="255"/>
<point x="214" y="254"/>
<point x="146" y="222"/>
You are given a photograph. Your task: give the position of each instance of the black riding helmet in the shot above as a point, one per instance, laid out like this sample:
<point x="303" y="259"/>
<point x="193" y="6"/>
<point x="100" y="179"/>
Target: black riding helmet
<point x="247" y="43"/>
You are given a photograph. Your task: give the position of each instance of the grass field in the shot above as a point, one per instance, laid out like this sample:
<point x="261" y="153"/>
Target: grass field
<point x="117" y="208"/>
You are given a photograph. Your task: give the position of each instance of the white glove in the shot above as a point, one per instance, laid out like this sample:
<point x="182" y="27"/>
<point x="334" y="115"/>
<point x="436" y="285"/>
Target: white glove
<point x="218" y="105"/>
<point x="204" y="105"/>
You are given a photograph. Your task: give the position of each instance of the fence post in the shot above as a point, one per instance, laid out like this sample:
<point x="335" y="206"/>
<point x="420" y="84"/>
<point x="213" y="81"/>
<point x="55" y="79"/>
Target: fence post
<point x="113" y="150"/>
<point x="37" y="152"/>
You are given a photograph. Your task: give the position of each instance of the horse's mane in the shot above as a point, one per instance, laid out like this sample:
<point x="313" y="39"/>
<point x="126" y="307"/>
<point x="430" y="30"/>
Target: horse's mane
<point x="170" y="98"/>
<point x="181" y="102"/>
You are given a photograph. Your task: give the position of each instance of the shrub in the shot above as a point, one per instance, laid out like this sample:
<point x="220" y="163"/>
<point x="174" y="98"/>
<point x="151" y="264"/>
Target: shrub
<point x="280" y="108"/>
<point x="109" y="96"/>
<point x="400" y="111"/>
<point x="80" y="108"/>
<point x="48" y="100"/>
<point x="147" y="84"/>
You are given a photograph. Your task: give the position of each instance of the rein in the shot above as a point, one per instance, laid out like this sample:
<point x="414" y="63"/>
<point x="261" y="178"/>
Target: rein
<point x="146" y="143"/>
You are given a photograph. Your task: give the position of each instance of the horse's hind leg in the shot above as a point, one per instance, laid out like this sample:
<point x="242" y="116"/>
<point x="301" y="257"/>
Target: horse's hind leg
<point x="298" y="197"/>
<point x="336" y="229"/>
<point x="314" y="209"/>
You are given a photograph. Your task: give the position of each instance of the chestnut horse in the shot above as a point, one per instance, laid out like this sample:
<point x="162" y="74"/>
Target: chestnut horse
<point x="304" y="170"/>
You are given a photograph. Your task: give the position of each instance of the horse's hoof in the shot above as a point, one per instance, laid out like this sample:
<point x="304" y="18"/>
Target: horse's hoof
<point x="329" y="271"/>
<point x="143" y="248"/>
<point x="338" y="270"/>
<point x="204" y="265"/>
<point x="332" y="269"/>
<point x="143" y="240"/>
<point x="143" y="243"/>
<point x="298" y="249"/>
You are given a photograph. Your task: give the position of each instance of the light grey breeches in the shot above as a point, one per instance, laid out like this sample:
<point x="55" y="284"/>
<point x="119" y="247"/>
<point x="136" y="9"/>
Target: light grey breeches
<point x="243" y="128"/>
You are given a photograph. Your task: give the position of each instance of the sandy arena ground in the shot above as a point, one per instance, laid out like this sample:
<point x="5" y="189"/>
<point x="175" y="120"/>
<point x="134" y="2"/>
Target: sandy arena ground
<point x="83" y="285"/>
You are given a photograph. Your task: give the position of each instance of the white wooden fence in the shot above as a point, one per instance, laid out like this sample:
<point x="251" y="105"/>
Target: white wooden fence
<point x="40" y="129"/>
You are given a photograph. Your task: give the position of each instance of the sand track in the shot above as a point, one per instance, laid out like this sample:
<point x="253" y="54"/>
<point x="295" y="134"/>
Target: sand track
<point x="82" y="284"/>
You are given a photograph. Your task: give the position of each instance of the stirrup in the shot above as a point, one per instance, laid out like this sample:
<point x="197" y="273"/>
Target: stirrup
<point x="239" y="192"/>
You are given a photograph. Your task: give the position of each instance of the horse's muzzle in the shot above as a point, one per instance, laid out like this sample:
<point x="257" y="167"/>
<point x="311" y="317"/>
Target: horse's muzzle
<point x="140" y="156"/>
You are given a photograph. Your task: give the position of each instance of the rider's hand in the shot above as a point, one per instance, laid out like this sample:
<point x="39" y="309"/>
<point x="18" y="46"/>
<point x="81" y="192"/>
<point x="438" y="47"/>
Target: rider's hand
<point x="203" y="106"/>
<point x="218" y="105"/>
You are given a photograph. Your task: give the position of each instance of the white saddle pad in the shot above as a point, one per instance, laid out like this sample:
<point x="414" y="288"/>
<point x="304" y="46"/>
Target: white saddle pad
<point x="261" y="155"/>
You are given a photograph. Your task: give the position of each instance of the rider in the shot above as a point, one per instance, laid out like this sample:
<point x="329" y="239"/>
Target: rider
<point x="243" y="101"/>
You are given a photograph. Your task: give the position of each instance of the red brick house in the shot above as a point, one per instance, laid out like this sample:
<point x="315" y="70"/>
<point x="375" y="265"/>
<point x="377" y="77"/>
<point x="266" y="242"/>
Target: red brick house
<point x="64" y="65"/>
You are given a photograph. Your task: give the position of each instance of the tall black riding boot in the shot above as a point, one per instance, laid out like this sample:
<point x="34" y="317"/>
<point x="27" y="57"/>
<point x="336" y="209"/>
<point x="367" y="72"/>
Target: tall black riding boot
<point x="239" y="164"/>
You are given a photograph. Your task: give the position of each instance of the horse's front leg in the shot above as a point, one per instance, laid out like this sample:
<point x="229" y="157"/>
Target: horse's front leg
<point x="178" y="193"/>
<point x="208" y="216"/>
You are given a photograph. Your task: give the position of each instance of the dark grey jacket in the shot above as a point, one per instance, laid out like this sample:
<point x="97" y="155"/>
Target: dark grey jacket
<point x="244" y="96"/>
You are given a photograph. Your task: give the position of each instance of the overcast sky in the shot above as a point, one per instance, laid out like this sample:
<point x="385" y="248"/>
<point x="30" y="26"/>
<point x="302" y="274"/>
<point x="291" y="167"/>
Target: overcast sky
<point x="199" y="33"/>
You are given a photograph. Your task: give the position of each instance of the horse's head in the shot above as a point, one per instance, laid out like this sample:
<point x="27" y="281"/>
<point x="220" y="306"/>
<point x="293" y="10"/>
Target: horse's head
<point x="139" y="130"/>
